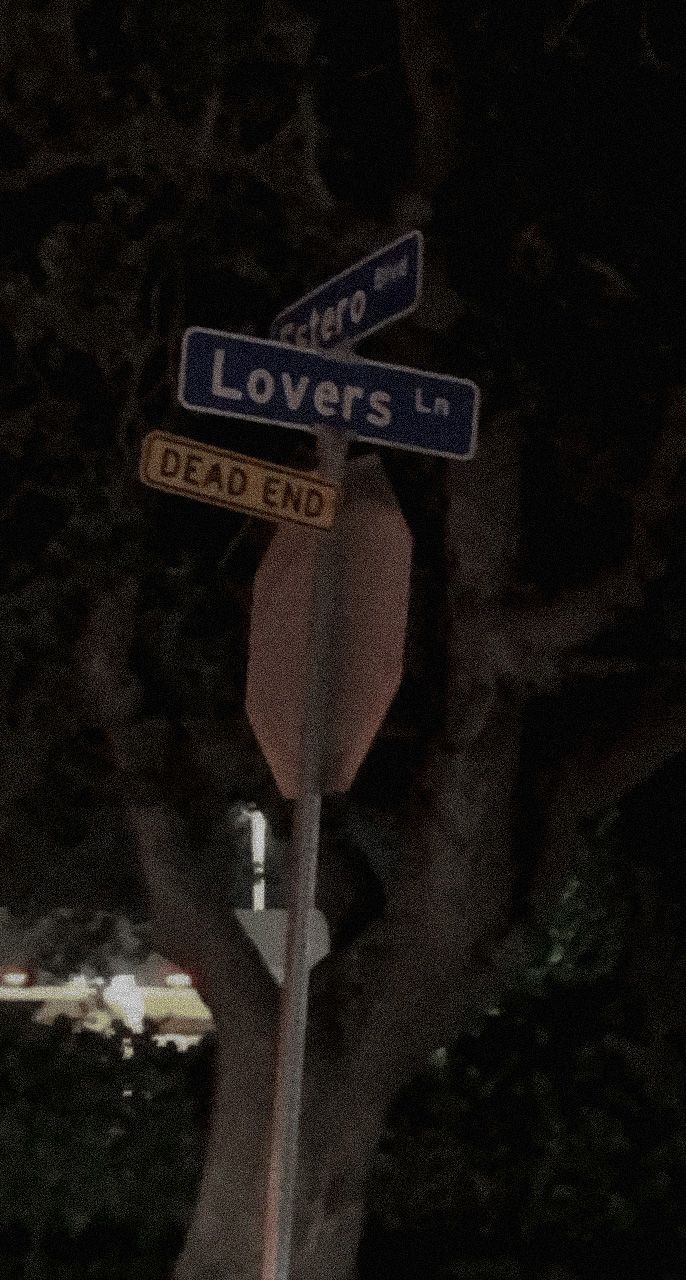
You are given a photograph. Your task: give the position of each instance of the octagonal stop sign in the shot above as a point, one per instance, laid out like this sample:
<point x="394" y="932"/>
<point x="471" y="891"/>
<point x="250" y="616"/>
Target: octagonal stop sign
<point x="372" y="560"/>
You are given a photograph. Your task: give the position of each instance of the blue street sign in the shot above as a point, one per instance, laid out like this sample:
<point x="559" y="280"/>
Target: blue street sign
<point x="239" y="377"/>
<point x="350" y="306"/>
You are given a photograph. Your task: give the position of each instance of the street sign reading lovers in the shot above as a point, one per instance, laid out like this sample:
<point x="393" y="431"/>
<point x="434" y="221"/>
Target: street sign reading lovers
<point x="175" y="464"/>
<point x="235" y="376"/>
<point x="382" y="287"/>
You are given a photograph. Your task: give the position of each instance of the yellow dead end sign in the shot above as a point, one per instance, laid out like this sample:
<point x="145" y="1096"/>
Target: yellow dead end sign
<point x="178" y="465"/>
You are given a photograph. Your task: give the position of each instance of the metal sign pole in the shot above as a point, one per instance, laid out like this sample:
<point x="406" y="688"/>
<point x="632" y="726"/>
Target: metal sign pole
<point x="283" y="1161"/>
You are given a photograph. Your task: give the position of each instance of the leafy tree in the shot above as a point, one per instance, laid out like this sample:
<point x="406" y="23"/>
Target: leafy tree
<point x="100" y="1153"/>
<point x="533" y="1147"/>
<point x="164" y="168"/>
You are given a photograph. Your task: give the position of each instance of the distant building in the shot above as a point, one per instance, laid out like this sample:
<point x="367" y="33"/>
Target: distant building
<point x="83" y="1013"/>
<point x="183" y="1032"/>
<point x="92" y="1006"/>
<point x="155" y="995"/>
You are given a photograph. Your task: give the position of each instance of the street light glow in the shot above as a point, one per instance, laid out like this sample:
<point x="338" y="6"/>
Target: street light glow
<point x="16" y="978"/>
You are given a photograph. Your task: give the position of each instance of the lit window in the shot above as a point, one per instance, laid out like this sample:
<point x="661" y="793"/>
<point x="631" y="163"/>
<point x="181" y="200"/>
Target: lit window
<point x="124" y="994"/>
<point x="179" y="980"/>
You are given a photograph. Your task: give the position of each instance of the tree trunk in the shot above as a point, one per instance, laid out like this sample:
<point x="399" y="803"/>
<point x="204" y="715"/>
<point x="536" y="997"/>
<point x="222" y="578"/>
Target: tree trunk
<point x="224" y="1241"/>
<point x="406" y="985"/>
<point x="337" y="1148"/>
<point x="331" y="1237"/>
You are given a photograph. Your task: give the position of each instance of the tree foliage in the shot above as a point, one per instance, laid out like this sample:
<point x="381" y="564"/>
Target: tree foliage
<point x="532" y="1144"/>
<point x="169" y="164"/>
<point x="526" y="1144"/>
<point x="100" y="1153"/>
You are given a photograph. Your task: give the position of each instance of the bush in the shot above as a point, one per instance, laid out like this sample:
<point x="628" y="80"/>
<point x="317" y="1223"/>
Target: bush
<point x="533" y="1145"/>
<point x="99" y="1155"/>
